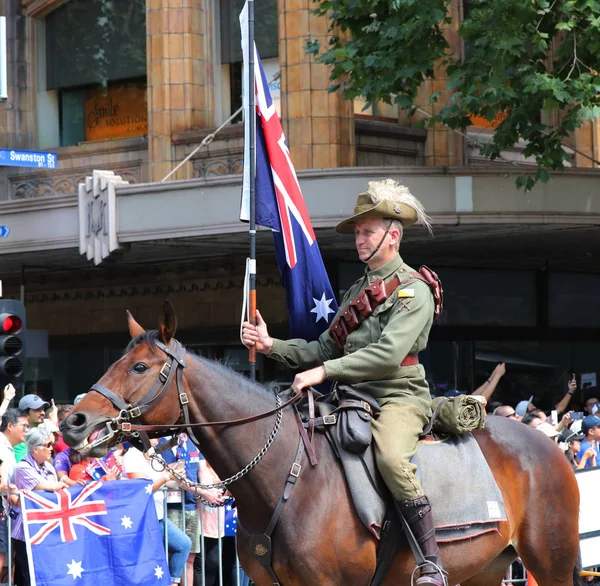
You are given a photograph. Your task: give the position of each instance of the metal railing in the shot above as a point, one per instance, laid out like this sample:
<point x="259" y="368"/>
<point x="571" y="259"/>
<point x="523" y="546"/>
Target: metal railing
<point x="237" y="578"/>
<point x="512" y="577"/>
<point x="174" y="495"/>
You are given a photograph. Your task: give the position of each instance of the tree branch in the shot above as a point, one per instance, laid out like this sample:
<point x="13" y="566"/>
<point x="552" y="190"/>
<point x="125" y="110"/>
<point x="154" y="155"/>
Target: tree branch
<point x="574" y="58"/>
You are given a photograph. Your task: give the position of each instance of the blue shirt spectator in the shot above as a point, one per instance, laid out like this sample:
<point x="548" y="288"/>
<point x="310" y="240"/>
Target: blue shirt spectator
<point x="188" y="452"/>
<point x="62" y="463"/>
<point x="590" y="427"/>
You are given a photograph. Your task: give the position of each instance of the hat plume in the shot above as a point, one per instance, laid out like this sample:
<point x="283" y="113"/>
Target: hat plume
<point x="391" y="190"/>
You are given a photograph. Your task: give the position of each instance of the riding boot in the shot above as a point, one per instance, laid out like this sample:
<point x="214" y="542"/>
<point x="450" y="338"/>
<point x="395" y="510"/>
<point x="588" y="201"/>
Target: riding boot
<point x="420" y="520"/>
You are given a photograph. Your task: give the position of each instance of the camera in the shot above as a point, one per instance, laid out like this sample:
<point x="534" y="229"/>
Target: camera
<point x="576" y="415"/>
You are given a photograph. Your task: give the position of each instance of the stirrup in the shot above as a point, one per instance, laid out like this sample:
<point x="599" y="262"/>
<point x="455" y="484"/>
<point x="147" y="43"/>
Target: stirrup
<point x="440" y="571"/>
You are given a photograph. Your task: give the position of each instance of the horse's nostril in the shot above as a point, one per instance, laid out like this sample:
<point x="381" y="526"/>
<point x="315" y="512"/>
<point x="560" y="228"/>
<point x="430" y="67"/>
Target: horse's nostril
<point x="78" y="420"/>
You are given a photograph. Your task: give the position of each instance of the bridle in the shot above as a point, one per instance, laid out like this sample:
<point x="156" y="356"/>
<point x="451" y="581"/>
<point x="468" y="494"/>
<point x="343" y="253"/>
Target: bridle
<point x="124" y="426"/>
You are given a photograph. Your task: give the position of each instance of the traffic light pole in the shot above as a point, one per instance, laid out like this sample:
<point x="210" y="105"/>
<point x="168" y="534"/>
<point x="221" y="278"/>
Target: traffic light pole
<point x="12" y="342"/>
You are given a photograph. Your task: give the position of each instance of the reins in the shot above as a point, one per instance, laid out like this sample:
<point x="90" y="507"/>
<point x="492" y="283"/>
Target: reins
<point x="143" y="427"/>
<point x="122" y="425"/>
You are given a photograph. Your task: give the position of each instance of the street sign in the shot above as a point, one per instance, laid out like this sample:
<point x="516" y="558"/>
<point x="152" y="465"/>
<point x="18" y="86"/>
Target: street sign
<point x="4" y="231"/>
<point x="41" y="160"/>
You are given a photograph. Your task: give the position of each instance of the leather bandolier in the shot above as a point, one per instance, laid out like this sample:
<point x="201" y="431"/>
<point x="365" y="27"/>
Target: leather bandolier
<point x="363" y="305"/>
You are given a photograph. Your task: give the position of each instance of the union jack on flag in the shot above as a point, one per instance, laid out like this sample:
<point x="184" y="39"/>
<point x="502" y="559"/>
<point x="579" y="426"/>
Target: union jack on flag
<point x="66" y="513"/>
<point x="85" y="535"/>
<point x="281" y="207"/>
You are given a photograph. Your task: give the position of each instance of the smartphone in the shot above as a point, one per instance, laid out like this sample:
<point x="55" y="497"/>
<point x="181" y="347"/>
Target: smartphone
<point x="576" y="415"/>
<point x="554" y="417"/>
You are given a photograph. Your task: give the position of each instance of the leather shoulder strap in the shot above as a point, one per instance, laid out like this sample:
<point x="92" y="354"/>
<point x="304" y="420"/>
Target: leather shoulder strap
<point x="431" y="279"/>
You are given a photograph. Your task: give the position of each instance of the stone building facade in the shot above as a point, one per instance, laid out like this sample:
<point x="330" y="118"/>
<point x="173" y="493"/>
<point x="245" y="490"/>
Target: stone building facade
<point x="134" y="86"/>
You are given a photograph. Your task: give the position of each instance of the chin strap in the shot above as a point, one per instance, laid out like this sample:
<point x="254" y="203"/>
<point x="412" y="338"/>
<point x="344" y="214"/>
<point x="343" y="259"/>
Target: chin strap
<point x="380" y="242"/>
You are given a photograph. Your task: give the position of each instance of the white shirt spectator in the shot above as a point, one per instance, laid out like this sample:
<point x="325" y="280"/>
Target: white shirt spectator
<point x="134" y="462"/>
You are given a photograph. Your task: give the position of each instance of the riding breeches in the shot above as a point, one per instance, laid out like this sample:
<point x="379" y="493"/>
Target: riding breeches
<point x="396" y="433"/>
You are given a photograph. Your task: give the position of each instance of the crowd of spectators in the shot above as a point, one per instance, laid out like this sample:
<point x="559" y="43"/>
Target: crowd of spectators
<point x="33" y="456"/>
<point x="576" y="432"/>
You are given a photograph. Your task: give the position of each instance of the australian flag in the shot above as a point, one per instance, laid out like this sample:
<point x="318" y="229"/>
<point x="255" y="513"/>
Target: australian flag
<point x="230" y="519"/>
<point x="280" y="206"/>
<point x="101" y="533"/>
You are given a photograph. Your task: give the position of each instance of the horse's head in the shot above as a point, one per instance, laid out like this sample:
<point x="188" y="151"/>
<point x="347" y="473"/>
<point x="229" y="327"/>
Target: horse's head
<point x="140" y="387"/>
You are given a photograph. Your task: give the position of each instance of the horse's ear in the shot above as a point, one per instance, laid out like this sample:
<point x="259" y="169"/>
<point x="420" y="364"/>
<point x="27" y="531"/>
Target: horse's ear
<point x="167" y="323"/>
<point x="135" y="329"/>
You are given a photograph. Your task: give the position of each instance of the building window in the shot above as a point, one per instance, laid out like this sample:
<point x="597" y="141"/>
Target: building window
<point x="574" y="300"/>
<point x="266" y="33"/>
<point x="95" y="64"/>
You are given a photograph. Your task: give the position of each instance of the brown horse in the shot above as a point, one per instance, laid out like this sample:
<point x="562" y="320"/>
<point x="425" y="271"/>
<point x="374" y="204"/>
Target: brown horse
<point x="320" y="539"/>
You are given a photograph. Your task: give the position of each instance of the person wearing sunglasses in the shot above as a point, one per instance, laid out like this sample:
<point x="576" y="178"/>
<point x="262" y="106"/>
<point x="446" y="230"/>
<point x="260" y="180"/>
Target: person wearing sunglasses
<point x="33" y="472"/>
<point x="506" y="411"/>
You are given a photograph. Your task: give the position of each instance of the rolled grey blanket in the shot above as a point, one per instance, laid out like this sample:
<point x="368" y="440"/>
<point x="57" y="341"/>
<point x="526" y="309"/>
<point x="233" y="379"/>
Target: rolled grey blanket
<point x="458" y="415"/>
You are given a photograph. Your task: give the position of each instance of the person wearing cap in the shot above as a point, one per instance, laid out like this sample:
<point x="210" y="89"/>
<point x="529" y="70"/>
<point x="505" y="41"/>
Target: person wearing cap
<point x="524" y="407"/>
<point x="35" y="407"/>
<point x="570" y="441"/>
<point x="590" y="428"/>
<point x="548" y="430"/>
<point x="379" y="355"/>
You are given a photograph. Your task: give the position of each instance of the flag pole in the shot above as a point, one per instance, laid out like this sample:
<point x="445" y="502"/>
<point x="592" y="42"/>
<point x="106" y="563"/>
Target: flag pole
<point x="252" y="132"/>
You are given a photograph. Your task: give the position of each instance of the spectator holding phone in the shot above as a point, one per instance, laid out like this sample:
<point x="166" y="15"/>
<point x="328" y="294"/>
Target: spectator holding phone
<point x="590" y="428"/>
<point x="562" y="405"/>
<point x="572" y="440"/>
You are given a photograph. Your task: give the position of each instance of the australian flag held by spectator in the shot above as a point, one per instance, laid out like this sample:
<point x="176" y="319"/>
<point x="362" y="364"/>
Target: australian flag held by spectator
<point x="230" y="519"/>
<point x="280" y="206"/>
<point x="100" y="533"/>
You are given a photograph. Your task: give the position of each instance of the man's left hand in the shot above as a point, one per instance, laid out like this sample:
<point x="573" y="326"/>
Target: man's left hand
<point x="308" y="378"/>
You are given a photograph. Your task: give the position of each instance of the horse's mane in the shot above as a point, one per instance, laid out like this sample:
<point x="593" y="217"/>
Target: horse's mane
<point x="149" y="337"/>
<point x="234" y="378"/>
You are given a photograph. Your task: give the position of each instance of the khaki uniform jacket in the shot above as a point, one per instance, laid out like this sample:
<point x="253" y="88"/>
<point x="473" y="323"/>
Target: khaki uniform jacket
<point x="372" y="354"/>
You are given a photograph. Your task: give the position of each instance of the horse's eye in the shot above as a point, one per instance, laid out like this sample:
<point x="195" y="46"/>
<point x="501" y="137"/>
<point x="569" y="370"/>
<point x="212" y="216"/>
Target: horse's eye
<point x="139" y="368"/>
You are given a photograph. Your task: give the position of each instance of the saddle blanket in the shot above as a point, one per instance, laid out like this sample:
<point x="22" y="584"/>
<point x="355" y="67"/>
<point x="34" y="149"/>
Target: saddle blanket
<point x="464" y="496"/>
<point x="457" y="479"/>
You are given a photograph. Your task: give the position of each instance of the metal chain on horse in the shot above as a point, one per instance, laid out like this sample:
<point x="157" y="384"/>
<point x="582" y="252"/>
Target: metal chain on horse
<point x="224" y="483"/>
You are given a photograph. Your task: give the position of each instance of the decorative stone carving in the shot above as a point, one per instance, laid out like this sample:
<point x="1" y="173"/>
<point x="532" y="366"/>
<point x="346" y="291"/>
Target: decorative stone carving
<point x="63" y="183"/>
<point x="98" y="215"/>
<point x="207" y="166"/>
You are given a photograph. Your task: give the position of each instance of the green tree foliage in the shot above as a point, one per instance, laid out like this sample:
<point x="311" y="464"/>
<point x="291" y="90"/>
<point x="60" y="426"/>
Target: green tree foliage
<point x="534" y="61"/>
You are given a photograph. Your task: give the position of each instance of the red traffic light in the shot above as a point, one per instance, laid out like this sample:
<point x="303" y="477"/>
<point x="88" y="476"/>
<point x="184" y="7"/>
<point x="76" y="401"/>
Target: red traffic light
<point x="10" y="324"/>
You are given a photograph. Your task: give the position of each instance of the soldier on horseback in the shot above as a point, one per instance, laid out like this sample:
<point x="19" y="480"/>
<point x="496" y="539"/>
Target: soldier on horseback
<point x="373" y="344"/>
